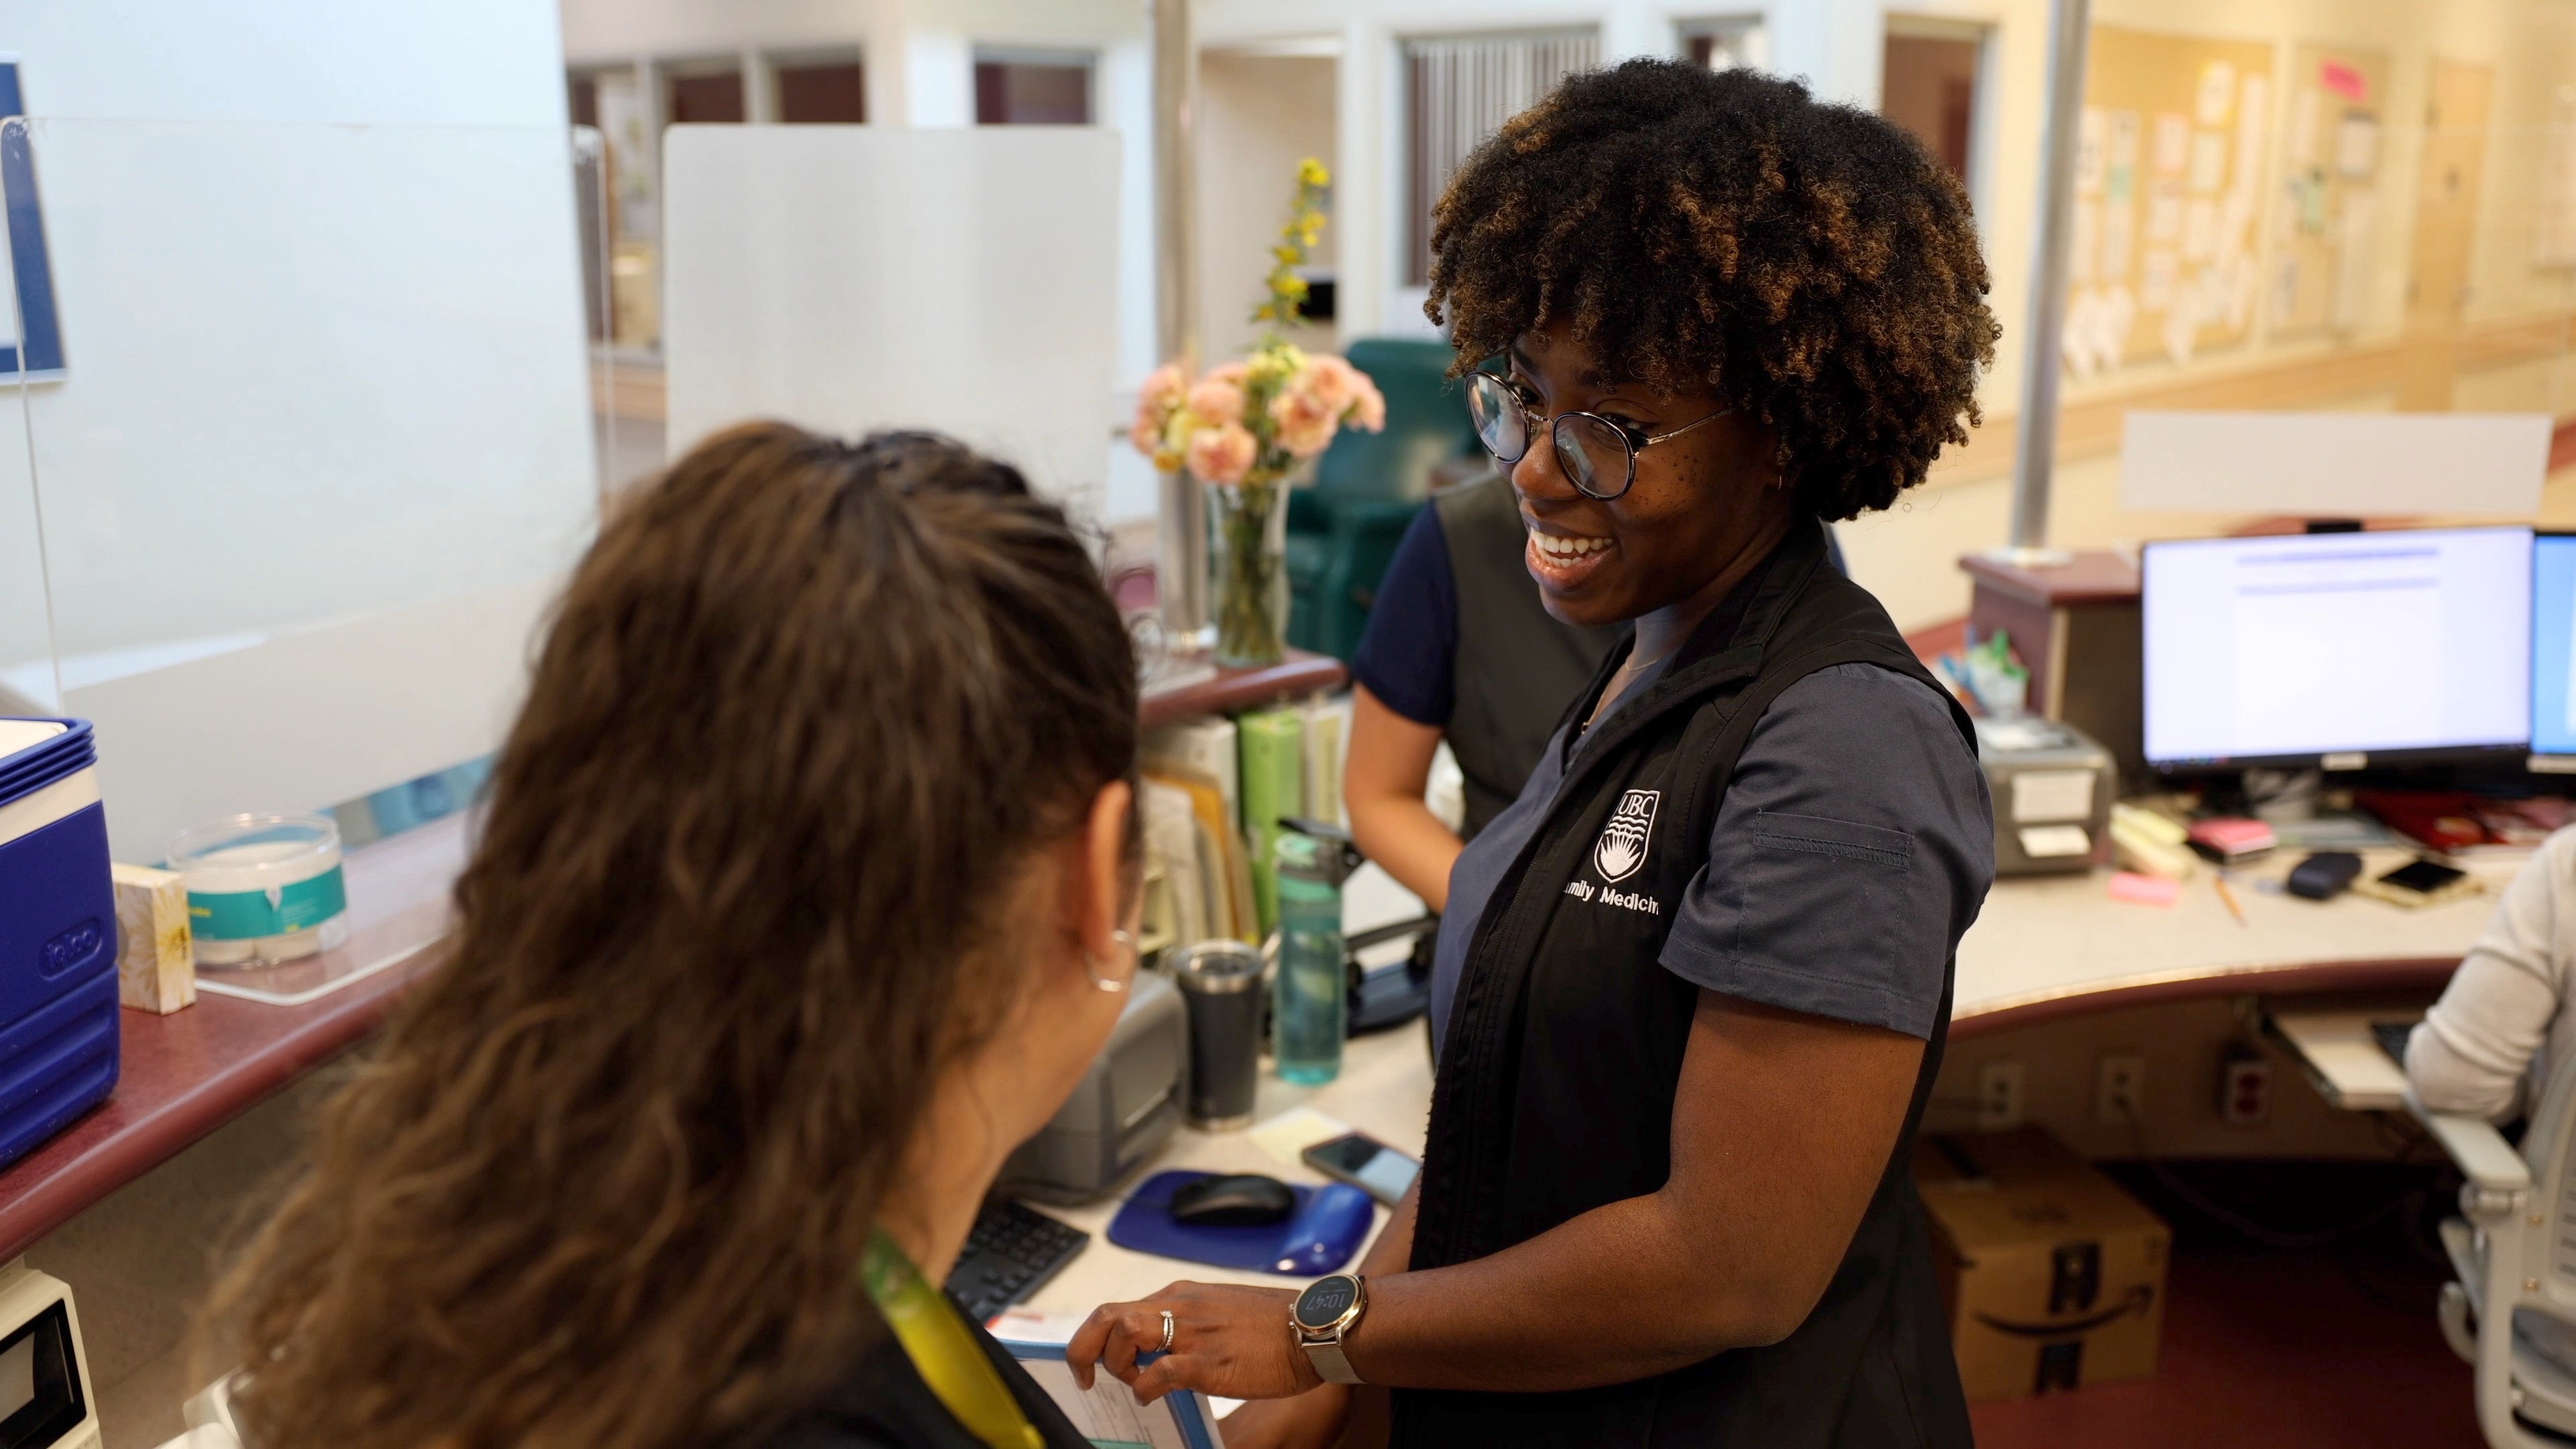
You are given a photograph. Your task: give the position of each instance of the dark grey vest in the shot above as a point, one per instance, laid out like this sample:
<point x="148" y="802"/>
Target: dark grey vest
<point x="1517" y="665"/>
<point x="1556" y="1084"/>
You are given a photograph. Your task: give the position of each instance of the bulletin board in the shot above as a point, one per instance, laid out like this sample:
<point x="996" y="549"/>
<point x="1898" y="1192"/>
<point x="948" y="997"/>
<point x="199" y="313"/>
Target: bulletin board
<point x="2326" y="210"/>
<point x="2168" y="190"/>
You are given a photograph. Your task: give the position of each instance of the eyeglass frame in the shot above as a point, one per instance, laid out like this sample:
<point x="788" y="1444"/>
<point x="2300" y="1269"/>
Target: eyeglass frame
<point x="1632" y="438"/>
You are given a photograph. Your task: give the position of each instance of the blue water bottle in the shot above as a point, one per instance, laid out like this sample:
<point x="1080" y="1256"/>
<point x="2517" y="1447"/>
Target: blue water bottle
<point x="1310" y="1008"/>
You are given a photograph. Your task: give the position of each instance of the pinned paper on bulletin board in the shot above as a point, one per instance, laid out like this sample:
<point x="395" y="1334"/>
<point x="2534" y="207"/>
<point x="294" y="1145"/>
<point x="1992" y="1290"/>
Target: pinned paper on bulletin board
<point x="2326" y="212"/>
<point x="2170" y="163"/>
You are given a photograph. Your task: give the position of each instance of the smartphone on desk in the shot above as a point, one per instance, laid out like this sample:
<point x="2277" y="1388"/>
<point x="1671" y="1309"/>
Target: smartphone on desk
<point x="2419" y="883"/>
<point x="1365" y="1163"/>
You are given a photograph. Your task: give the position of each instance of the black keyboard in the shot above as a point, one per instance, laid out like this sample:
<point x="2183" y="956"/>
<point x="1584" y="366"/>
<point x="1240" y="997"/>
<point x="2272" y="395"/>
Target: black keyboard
<point x="1010" y="1254"/>
<point x="2392" y="1037"/>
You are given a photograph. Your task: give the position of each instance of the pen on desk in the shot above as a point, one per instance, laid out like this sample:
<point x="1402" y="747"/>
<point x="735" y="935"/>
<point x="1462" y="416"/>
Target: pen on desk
<point x="2227" y="893"/>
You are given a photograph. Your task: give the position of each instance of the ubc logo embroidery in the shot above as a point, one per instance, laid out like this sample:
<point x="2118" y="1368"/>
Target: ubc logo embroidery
<point x="1621" y="850"/>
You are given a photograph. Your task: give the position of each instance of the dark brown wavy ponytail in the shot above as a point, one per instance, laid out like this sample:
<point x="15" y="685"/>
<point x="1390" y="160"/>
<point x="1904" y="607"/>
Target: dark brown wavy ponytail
<point x="605" y="1178"/>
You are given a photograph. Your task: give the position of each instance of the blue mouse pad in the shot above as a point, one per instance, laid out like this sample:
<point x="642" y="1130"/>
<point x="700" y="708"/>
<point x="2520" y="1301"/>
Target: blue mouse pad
<point x="1319" y="1235"/>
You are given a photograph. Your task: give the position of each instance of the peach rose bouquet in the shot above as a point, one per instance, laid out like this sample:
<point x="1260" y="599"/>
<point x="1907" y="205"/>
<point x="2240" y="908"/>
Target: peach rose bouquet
<point x="1248" y="429"/>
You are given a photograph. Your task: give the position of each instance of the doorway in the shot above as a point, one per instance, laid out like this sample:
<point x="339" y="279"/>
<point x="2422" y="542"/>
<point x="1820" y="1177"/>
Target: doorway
<point x="1929" y="78"/>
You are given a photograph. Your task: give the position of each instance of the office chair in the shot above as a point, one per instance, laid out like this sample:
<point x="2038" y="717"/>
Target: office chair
<point x="2514" y="1251"/>
<point x="1343" y="531"/>
<point x="209" y="1417"/>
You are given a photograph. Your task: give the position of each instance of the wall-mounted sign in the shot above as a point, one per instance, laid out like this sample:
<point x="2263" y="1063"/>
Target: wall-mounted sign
<point x="31" y="333"/>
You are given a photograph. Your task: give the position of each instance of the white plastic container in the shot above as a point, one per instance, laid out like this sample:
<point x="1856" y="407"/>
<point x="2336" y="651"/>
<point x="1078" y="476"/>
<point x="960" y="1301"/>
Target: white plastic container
<point x="263" y="888"/>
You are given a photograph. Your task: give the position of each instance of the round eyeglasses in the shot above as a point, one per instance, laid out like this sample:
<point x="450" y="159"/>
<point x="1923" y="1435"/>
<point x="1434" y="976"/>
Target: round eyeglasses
<point x="1598" y="454"/>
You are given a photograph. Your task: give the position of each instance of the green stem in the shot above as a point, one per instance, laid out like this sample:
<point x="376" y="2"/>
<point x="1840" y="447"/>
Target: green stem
<point x="1247" y="625"/>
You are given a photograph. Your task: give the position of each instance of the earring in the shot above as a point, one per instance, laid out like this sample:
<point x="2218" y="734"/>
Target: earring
<point x="1091" y="963"/>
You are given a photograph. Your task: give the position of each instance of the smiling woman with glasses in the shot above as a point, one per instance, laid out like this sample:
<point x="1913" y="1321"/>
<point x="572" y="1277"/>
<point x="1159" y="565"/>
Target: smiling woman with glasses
<point x="1691" y="987"/>
<point x="1597" y="453"/>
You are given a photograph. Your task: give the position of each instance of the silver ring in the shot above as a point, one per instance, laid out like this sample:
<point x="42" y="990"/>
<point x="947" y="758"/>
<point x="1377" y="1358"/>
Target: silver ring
<point x="1166" y="1345"/>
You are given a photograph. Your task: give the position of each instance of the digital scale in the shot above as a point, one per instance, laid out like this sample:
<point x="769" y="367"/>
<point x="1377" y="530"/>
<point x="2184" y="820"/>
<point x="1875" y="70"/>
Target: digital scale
<point x="45" y="1397"/>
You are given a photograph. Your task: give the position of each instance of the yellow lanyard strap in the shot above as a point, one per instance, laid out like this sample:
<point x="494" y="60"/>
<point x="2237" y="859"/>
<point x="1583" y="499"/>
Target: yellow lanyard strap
<point x="944" y="1350"/>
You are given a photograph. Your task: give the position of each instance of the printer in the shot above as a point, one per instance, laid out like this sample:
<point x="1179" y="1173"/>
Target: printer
<point x="1124" y="1110"/>
<point x="2052" y="788"/>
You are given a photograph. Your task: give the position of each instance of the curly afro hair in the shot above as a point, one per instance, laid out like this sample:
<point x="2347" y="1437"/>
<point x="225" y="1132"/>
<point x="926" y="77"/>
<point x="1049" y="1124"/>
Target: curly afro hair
<point x="1811" y="261"/>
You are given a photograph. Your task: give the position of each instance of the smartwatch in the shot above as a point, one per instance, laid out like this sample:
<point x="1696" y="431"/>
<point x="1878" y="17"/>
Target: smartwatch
<point x="1322" y="1316"/>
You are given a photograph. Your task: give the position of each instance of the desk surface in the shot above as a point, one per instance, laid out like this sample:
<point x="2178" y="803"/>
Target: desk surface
<point x="1384" y="1090"/>
<point x="2043" y="947"/>
<point x="2051" y="946"/>
<point x="186" y="1074"/>
<point x="190" y="1072"/>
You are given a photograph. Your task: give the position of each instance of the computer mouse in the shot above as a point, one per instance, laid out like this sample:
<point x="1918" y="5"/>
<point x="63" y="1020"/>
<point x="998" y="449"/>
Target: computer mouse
<point x="1237" y="1200"/>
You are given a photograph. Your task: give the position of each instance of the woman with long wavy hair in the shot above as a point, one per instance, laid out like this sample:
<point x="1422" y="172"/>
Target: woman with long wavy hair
<point x="801" y="900"/>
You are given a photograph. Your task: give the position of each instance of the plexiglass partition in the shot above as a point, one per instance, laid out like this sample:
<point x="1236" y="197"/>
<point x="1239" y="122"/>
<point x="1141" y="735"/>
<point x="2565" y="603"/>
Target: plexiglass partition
<point x="857" y="277"/>
<point x="321" y="450"/>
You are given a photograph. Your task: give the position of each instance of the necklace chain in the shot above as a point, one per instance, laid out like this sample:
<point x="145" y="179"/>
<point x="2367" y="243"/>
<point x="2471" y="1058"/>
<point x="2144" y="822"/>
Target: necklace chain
<point x="1635" y="664"/>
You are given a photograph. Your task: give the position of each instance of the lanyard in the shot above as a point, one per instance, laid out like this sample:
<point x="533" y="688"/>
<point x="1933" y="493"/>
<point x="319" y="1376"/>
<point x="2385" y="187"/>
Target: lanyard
<point x="943" y="1350"/>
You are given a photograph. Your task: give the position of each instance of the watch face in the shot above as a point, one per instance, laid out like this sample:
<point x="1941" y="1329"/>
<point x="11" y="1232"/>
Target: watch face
<point x="1326" y="1300"/>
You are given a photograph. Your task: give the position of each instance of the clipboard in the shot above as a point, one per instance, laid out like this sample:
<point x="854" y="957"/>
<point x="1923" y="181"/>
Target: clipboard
<point x="1108" y="1415"/>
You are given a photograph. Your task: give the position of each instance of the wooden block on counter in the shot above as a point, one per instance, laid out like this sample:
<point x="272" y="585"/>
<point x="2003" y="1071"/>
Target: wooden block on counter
<point x="156" y="967"/>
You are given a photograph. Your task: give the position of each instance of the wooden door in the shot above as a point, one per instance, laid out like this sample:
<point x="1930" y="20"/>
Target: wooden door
<point x="2446" y="216"/>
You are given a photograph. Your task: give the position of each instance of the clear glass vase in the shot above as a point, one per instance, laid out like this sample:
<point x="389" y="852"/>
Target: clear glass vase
<point x="1248" y="570"/>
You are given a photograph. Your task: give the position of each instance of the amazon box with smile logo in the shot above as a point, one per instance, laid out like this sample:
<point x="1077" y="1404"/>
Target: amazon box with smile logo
<point x="2053" y="1277"/>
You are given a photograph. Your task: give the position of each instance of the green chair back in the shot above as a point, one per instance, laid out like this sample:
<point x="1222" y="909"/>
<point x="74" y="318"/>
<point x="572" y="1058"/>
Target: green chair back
<point x="1426" y="424"/>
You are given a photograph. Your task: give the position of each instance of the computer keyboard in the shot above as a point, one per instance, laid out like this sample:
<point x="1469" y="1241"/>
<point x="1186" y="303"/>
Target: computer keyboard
<point x="1010" y="1254"/>
<point x="2392" y="1037"/>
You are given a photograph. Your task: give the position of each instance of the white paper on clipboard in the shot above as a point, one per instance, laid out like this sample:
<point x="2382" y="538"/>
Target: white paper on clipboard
<point x="1108" y="1414"/>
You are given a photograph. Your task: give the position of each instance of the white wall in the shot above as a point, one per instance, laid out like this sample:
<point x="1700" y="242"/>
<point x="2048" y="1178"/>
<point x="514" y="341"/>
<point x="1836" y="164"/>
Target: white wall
<point x="1836" y="46"/>
<point x="323" y="443"/>
<point x="1833" y="43"/>
<point x="1259" y="115"/>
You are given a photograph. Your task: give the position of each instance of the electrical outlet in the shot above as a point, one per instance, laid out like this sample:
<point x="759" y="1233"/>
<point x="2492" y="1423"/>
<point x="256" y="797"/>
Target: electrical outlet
<point x="2245" y="1089"/>
<point x="1998" y="1096"/>
<point x="2119" y="1088"/>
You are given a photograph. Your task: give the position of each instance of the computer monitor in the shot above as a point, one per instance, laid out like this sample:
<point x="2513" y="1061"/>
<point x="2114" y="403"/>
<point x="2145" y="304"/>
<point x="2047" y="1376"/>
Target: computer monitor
<point x="2338" y="650"/>
<point x="2553" y="648"/>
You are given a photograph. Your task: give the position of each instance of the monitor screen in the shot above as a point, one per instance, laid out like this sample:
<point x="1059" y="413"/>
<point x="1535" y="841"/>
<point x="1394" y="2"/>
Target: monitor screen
<point x="2294" y="649"/>
<point x="2553" y="644"/>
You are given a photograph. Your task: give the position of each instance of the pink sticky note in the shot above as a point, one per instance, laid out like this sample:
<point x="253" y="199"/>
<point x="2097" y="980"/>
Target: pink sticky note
<point x="2344" y="81"/>
<point x="2144" y="890"/>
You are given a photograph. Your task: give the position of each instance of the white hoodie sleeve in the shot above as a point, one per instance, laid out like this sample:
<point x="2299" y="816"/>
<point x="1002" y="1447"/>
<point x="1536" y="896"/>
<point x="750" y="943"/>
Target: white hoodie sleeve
<point x="2476" y="1044"/>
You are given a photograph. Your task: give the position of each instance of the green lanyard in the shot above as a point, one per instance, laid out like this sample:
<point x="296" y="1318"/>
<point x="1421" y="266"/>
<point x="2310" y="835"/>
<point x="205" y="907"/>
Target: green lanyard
<point x="943" y="1350"/>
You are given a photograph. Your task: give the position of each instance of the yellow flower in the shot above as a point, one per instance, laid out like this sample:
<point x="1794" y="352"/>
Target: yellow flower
<point x="1311" y="172"/>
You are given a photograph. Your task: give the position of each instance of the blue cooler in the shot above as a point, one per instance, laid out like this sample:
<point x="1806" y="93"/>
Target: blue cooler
<point x="58" y="1012"/>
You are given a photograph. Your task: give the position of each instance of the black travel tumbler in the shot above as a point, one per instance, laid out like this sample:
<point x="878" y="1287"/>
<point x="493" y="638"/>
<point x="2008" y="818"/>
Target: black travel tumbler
<point x="1221" y="981"/>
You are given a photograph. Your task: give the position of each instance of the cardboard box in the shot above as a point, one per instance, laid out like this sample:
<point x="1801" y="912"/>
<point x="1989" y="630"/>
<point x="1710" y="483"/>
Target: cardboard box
<point x="2052" y="1275"/>
<point x="156" y="968"/>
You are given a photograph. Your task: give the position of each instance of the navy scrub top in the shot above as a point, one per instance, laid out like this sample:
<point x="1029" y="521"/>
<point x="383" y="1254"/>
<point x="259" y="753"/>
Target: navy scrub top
<point x="1408" y="651"/>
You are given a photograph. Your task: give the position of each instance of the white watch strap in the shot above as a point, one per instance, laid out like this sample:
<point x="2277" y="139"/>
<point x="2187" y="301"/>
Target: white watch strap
<point x="1331" y="1362"/>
